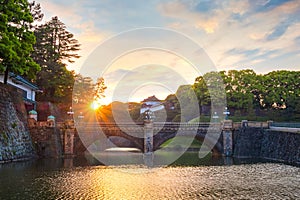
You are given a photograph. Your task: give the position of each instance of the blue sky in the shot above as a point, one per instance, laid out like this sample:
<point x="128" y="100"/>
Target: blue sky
<point x="262" y="35"/>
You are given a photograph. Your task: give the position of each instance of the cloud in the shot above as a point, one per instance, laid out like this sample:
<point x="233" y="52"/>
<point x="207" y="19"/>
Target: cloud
<point x="246" y="52"/>
<point x="179" y="10"/>
<point x="256" y="34"/>
<point x="246" y="33"/>
<point x="84" y="30"/>
<point x="279" y="30"/>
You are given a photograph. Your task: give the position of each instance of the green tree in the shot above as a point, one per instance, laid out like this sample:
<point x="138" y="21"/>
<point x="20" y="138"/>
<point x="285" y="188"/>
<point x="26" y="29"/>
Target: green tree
<point x="188" y="103"/>
<point x="55" y="48"/>
<point x="16" y="38"/>
<point x="172" y="107"/>
<point x="57" y="83"/>
<point x="201" y="91"/>
<point x="281" y="93"/>
<point x="243" y="89"/>
<point x="210" y="88"/>
<point x="55" y="43"/>
<point x="83" y="92"/>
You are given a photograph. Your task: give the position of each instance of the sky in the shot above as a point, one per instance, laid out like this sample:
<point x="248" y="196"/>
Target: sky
<point x="154" y="46"/>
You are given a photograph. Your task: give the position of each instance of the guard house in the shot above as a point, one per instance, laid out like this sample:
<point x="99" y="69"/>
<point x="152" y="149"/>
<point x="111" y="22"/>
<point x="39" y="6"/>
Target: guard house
<point x="151" y="103"/>
<point x="24" y="87"/>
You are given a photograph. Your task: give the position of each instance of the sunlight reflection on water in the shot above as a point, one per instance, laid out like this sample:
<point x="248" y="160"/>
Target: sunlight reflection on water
<point x="253" y="181"/>
<point x="53" y="179"/>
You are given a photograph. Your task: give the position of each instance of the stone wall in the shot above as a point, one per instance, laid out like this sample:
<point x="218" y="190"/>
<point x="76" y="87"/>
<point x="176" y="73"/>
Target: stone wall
<point x="267" y="144"/>
<point x="46" y="139"/>
<point x="281" y="146"/>
<point x="15" y="141"/>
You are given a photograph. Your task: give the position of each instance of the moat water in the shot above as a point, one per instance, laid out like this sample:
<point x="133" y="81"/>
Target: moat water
<point x="188" y="178"/>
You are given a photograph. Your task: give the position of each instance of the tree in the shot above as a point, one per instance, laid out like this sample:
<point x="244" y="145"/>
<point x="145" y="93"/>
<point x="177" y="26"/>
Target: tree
<point x="55" y="48"/>
<point x="57" y="83"/>
<point x="99" y="89"/>
<point x="189" y="107"/>
<point x="36" y="12"/>
<point x="209" y="89"/>
<point x="86" y="91"/>
<point x="243" y="89"/>
<point x="281" y="93"/>
<point x="16" y="38"/>
<point x="83" y="92"/>
<point x="202" y="92"/>
<point x="54" y="43"/>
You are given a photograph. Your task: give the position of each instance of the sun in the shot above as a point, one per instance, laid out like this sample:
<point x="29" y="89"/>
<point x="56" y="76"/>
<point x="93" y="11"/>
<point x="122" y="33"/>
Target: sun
<point x="95" y="105"/>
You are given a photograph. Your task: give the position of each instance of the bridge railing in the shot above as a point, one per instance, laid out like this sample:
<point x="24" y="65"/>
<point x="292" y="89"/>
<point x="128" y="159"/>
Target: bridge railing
<point x="286" y="124"/>
<point x="155" y="125"/>
<point x="183" y="124"/>
<point x="188" y="125"/>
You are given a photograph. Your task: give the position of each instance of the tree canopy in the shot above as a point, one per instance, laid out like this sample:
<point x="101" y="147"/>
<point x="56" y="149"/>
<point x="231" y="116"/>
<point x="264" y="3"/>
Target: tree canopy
<point x="16" y="38"/>
<point x="275" y="95"/>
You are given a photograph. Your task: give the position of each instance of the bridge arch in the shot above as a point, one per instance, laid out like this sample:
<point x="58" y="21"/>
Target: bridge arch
<point x="161" y="138"/>
<point x="165" y="133"/>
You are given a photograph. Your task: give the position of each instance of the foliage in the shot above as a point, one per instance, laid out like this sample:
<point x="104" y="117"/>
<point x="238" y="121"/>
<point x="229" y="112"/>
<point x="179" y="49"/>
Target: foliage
<point x="209" y="90"/>
<point x="83" y="90"/>
<point x="36" y="12"/>
<point x="56" y="82"/>
<point x="54" y="43"/>
<point x="99" y="89"/>
<point x="187" y="101"/>
<point x="86" y="91"/>
<point x="16" y="38"/>
<point x="249" y="94"/>
<point x="54" y="48"/>
<point x="116" y="111"/>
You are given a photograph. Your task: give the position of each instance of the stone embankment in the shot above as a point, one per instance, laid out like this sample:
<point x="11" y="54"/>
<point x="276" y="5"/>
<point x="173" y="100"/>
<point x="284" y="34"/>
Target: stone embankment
<point x="267" y="144"/>
<point x="46" y="138"/>
<point x="15" y="141"/>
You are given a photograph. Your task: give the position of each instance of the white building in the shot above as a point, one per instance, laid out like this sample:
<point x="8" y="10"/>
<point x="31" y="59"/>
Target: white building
<point x="151" y="103"/>
<point x="24" y="87"/>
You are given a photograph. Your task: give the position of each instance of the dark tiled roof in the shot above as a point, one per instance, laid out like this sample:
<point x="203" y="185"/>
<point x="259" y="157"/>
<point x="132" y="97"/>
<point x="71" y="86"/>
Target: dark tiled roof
<point x="23" y="80"/>
<point x="152" y="98"/>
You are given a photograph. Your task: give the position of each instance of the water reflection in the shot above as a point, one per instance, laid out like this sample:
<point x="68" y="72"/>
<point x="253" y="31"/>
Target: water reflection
<point x="84" y="178"/>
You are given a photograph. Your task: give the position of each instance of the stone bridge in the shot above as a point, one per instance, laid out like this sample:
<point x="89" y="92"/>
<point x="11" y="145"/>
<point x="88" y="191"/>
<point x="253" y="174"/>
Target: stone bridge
<point x="267" y="140"/>
<point x="217" y="136"/>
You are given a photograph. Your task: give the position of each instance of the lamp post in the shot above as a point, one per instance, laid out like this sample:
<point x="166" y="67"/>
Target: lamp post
<point x="70" y="112"/>
<point x="226" y="113"/>
<point x="215" y="117"/>
<point x="80" y="118"/>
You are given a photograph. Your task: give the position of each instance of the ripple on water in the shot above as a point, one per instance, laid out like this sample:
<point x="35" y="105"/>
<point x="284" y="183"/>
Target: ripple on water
<point x="254" y="181"/>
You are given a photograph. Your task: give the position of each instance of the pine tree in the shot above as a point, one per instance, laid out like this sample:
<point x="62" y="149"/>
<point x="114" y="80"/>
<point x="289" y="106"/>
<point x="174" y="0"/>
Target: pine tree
<point x="55" y="48"/>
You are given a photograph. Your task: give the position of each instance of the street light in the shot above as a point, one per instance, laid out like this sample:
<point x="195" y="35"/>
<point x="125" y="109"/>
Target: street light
<point x="149" y="115"/>
<point x="70" y="112"/>
<point x="226" y="113"/>
<point x="215" y="117"/>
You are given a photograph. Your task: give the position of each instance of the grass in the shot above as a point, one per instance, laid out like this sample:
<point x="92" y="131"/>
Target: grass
<point x="181" y="140"/>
